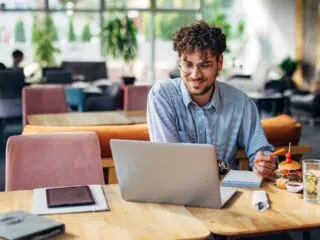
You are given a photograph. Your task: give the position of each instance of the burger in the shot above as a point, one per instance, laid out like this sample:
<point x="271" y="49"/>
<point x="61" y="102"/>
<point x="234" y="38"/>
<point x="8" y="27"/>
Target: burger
<point x="288" y="171"/>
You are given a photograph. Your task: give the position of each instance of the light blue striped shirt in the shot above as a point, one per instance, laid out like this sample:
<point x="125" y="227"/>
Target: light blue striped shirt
<point x="229" y="121"/>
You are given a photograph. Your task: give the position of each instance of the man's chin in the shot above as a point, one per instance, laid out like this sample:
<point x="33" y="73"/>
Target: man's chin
<point x="196" y="92"/>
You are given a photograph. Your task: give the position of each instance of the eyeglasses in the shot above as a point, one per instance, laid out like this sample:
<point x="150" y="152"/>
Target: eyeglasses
<point x="187" y="67"/>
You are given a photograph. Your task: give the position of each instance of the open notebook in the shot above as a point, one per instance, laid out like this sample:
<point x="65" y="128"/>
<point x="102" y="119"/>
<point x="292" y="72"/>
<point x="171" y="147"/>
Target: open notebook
<point x="236" y="178"/>
<point x="40" y="206"/>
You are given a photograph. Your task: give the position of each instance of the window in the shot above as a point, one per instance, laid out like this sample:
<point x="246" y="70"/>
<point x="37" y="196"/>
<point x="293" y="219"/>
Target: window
<point x="22" y="4"/>
<point x="165" y="25"/>
<point x="117" y="67"/>
<point x="78" y="36"/>
<point x="127" y="4"/>
<point x="75" y="25"/>
<point x="15" y="33"/>
<point x="178" y="4"/>
<point x="75" y="4"/>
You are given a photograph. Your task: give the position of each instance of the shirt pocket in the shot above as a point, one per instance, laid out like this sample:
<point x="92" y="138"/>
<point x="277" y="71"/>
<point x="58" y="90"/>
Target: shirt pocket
<point x="183" y="137"/>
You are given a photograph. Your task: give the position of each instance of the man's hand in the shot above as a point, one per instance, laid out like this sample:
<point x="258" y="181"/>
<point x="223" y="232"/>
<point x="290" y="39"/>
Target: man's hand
<point x="264" y="166"/>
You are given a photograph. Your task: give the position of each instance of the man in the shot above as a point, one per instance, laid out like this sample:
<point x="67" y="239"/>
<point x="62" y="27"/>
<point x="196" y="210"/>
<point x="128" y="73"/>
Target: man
<point x="17" y="56"/>
<point x="198" y="109"/>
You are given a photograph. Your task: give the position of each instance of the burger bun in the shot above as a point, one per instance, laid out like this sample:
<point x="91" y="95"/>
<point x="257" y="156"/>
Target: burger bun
<point x="290" y="166"/>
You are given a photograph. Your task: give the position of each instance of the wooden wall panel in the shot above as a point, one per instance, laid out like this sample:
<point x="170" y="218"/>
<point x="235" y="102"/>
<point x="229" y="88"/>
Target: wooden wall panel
<point x="307" y="40"/>
<point x="299" y="40"/>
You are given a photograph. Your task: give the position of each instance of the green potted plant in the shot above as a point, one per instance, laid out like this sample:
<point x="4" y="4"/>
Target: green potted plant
<point x="119" y="40"/>
<point x="51" y="27"/>
<point x="42" y="39"/>
<point x="289" y="66"/>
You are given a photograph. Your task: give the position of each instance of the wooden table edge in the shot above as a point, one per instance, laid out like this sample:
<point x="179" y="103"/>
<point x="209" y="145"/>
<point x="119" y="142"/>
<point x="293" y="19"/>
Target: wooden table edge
<point x="308" y="227"/>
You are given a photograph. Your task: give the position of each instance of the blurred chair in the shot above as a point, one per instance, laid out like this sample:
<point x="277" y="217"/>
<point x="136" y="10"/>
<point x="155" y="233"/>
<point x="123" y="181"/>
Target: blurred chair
<point x="307" y="102"/>
<point x="174" y="73"/>
<point x="283" y="104"/>
<point x="11" y="83"/>
<point x="2" y="66"/>
<point x="135" y="97"/>
<point x="254" y="82"/>
<point x="43" y="99"/>
<point x="91" y="71"/>
<point x="110" y="100"/>
<point x="58" y="77"/>
<point x="45" y="70"/>
<point x="52" y="160"/>
<point x="75" y="98"/>
<point x="276" y="86"/>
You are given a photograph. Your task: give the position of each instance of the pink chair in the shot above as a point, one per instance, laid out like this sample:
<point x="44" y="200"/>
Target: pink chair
<point x="135" y="97"/>
<point x="43" y="99"/>
<point x="51" y="160"/>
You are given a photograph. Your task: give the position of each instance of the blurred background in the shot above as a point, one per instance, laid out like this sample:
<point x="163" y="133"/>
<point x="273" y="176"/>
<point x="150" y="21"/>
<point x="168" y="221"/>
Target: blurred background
<point x="262" y="32"/>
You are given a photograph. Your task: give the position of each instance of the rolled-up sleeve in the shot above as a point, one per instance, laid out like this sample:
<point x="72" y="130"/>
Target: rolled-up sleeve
<point x="160" y="117"/>
<point x="252" y="137"/>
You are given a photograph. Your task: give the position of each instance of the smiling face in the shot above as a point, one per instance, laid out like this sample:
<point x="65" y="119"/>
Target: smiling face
<point x="199" y="74"/>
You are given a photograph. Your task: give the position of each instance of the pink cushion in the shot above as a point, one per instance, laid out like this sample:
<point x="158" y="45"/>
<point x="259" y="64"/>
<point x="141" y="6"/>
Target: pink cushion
<point x="43" y="99"/>
<point x="50" y="160"/>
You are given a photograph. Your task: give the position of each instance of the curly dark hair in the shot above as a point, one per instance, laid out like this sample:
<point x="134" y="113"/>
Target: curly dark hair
<point x="201" y="37"/>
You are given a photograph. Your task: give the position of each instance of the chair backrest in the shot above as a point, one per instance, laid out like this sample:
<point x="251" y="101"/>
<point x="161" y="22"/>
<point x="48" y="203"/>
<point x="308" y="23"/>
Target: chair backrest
<point x="11" y="83"/>
<point x="279" y="131"/>
<point x="108" y="101"/>
<point x="90" y="70"/>
<point x="75" y="97"/>
<point x="102" y="103"/>
<point x="135" y="97"/>
<point x="43" y="99"/>
<point x="278" y="86"/>
<point x="52" y="160"/>
<point x="45" y="70"/>
<point x="58" y="77"/>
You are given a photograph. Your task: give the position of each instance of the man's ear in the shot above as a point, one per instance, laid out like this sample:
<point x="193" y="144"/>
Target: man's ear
<point x="220" y="62"/>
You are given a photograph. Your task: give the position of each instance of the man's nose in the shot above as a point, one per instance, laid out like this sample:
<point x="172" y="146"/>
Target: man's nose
<point x="195" y="73"/>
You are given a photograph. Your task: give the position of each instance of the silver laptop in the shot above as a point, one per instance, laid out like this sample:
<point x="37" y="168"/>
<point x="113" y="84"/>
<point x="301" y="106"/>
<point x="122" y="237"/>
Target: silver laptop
<point x="173" y="173"/>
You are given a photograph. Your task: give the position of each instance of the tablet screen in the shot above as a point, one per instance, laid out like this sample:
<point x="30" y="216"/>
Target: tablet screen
<point x="69" y="196"/>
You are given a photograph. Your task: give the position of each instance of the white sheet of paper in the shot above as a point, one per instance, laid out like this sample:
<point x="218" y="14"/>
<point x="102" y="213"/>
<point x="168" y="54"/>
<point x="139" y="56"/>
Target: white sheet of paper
<point x="260" y="200"/>
<point x="39" y="203"/>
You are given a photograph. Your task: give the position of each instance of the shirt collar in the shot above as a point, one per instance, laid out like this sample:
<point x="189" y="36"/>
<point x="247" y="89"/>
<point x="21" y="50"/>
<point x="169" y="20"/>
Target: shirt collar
<point x="185" y="94"/>
<point x="213" y="103"/>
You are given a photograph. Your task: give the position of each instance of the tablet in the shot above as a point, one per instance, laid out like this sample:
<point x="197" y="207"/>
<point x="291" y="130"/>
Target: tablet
<point x="69" y="196"/>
